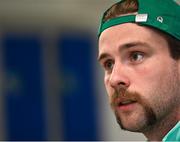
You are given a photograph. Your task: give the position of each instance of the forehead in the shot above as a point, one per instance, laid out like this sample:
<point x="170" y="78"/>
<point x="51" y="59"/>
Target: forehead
<point x="129" y="33"/>
<point x="126" y="31"/>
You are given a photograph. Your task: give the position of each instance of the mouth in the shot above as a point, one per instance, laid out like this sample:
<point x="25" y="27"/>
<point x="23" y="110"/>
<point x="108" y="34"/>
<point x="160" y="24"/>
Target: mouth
<point x="126" y="102"/>
<point x="126" y="105"/>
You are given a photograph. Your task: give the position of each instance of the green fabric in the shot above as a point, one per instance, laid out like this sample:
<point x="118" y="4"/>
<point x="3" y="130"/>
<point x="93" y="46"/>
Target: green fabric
<point x="173" y="135"/>
<point x="117" y="21"/>
<point x="167" y="10"/>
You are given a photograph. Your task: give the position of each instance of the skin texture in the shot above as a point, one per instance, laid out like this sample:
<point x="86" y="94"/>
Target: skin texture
<point x="138" y="68"/>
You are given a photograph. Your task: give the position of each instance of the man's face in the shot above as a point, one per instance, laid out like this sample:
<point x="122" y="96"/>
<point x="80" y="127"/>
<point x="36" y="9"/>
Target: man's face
<point x="141" y="78"/>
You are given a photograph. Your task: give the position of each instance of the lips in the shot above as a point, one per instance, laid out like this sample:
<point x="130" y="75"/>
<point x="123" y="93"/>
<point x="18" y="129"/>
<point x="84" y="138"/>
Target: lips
<point x="122" y="102"/>
<point x="125" y="105"/>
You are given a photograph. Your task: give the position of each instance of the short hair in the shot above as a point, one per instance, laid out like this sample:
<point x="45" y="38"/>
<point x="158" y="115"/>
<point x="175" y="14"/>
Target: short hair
<point x="131" y="6"/>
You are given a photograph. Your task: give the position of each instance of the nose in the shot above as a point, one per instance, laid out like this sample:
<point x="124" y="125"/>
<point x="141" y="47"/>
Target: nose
<point x="119" y="77"/>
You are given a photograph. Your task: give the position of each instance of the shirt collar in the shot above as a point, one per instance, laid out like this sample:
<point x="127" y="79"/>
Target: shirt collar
<point x="173" y="134"/>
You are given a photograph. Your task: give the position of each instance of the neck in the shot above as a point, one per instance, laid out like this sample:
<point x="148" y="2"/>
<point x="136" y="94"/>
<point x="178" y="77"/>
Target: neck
<point x="157" y="131"/>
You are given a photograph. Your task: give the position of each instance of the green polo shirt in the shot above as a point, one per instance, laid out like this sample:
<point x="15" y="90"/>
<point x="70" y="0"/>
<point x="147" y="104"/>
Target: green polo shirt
<point x="173" y="134"/>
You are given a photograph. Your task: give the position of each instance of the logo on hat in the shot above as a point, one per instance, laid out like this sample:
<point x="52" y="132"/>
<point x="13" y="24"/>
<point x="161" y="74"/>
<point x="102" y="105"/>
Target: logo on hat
<point x="160" y="19"/>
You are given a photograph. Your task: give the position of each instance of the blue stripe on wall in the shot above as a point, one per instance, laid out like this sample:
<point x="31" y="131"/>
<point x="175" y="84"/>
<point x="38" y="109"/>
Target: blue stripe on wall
<point x="78" y="96"/>
<point x="25" y="115"/>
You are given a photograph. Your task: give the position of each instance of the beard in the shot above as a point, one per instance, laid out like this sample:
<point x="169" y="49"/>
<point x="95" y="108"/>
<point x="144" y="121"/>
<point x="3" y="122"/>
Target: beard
<point x="148" y="114"/>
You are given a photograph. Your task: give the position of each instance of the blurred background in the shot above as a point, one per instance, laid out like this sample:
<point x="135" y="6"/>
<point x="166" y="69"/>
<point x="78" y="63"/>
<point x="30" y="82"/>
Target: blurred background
<point x="51" y="86"/>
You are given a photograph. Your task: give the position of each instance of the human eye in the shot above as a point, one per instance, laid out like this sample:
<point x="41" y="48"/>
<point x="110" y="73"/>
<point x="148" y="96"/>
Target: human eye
<point x="136" y="57"/>
<point x="108" y="65"/>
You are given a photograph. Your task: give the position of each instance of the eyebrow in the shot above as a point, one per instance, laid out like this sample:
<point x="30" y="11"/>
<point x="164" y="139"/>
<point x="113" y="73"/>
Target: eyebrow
<point x="123" y="47"/>
<point x="102" y="56"/>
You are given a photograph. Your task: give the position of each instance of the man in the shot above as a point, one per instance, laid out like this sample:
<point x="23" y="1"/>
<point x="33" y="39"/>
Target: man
<point x="139" y="49"/>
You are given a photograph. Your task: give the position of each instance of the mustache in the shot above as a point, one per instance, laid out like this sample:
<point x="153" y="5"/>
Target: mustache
<point x="122" y="94"/>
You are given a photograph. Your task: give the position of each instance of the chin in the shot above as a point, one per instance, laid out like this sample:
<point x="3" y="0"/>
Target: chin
<point x="132" y="128"/>
<point x="133" y="125"/>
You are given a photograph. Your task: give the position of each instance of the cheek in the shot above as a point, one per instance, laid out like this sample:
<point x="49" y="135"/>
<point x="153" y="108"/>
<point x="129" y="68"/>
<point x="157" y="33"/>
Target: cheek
<point x="149" y="80"/>
<point x="150" y="74"/>
<point x="107" y="84"/>
<point x="106" y="80"/>
<point x="142" y="77"/>
<point x="160" y="84"/>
